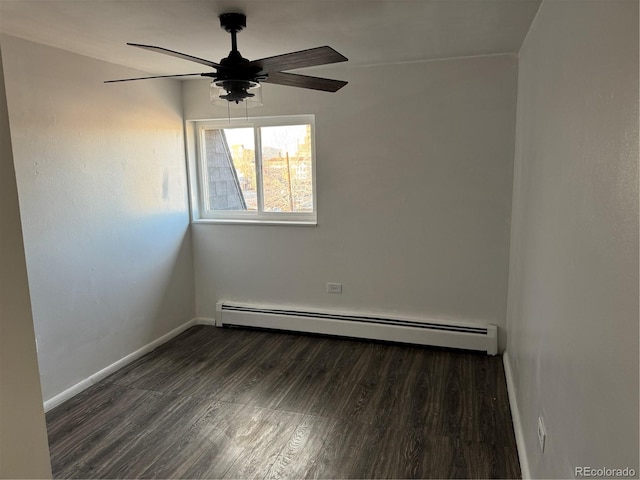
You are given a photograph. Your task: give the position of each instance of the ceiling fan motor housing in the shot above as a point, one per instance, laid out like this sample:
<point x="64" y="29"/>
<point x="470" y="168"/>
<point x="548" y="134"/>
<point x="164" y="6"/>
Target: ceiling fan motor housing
<point x="238" y="76"/>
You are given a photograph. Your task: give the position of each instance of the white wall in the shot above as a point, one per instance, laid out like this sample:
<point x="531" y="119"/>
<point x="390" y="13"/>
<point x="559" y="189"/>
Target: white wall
<point x="24" y="452"/>
<point x="414" y="172"/>
<point x="102" y="185"/>
<point x="573" y="296"/>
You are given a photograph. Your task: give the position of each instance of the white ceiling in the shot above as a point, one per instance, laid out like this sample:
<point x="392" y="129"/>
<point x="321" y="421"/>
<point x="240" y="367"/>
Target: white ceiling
<point x="366" y="31"/>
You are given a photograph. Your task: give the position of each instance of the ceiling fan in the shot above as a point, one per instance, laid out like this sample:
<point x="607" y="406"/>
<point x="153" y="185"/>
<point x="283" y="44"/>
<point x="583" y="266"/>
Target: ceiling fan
<point x="236" y="75"/>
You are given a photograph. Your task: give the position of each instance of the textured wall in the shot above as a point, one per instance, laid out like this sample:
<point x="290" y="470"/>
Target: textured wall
<point x="573" y="296"/>
<point x="24" y="452"/>
<point x="102" y="185"/>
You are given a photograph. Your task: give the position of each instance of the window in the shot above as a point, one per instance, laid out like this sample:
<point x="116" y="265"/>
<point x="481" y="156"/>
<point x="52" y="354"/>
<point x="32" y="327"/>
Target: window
<point x="259" y="170"/>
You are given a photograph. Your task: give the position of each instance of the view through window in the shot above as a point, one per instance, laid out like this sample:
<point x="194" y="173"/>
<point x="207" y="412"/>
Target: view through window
<point x="258" y="170"/>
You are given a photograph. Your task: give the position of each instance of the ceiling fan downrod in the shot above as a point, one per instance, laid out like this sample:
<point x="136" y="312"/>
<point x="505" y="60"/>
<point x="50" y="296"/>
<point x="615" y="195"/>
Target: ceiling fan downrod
<point x="236" y="88"/>
<point x="233" y="23"/>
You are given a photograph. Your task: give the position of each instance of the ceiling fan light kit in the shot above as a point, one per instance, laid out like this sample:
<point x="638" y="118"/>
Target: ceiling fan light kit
<point x="236" y="80"/>
<point x="221" y="93"/>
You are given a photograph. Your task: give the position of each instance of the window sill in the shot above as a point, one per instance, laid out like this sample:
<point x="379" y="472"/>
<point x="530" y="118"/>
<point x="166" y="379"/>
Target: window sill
<point x="221" y="221"/>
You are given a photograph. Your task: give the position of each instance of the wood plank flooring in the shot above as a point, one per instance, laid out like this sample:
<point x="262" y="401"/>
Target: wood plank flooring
<point x="231" y="403"/>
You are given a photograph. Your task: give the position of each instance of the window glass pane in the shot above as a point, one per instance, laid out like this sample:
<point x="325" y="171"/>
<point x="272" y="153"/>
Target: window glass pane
<point x="230" y="169"/>
<point x="287" y="169"/>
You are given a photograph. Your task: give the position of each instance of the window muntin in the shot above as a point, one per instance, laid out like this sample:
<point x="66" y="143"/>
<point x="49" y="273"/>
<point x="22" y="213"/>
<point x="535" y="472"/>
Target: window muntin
<point x="261" y="170"/>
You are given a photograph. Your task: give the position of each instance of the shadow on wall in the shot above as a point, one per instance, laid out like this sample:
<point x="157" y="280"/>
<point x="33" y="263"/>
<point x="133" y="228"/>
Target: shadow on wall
<point x="101" y="295"/>
<point x="178" y="284"/>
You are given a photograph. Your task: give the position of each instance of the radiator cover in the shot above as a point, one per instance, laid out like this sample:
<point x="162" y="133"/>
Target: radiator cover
<point x="439" y="333"/>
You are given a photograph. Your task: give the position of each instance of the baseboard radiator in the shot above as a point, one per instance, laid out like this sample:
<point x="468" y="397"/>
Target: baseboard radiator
<point x="461" y="335"/>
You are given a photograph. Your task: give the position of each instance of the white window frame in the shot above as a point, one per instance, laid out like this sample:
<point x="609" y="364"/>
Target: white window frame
<point x="198" y="180"/>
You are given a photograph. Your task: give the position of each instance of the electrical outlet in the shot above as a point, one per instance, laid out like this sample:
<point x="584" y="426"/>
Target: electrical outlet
<point x="542" y="434"/>
<point x="334" y="288"/>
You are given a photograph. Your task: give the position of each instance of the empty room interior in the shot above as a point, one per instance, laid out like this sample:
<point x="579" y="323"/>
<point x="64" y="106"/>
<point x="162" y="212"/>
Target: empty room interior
<point x="334" y="239"/>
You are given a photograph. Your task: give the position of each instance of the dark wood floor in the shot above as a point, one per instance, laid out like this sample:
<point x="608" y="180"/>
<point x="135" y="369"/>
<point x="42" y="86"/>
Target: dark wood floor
<point x="228" y="403"/>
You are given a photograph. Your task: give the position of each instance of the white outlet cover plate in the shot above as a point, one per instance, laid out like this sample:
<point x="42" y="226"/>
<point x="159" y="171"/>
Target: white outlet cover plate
<point x="334" y="288"/>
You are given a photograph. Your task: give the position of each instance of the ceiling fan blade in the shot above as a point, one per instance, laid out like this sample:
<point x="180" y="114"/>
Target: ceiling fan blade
<point x="173" y="53"/>
<point x="303" y="58"/>
<point x="157" y="76"/>
<point x="305" y="81"/>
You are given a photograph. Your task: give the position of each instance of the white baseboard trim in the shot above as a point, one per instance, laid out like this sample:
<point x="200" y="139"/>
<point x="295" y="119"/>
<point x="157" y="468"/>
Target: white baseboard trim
<point x="515" y="415"/>
<point x="96" y="377"/>
<point x="205" y="321"/>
